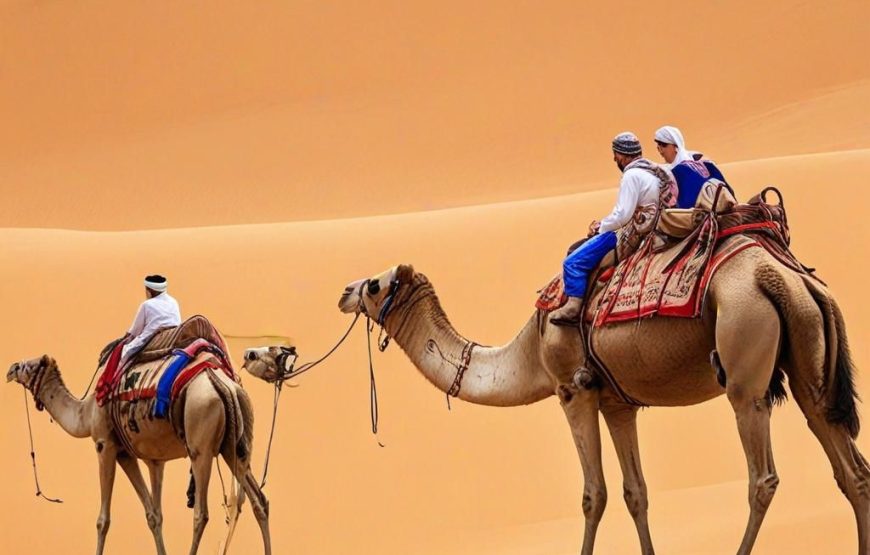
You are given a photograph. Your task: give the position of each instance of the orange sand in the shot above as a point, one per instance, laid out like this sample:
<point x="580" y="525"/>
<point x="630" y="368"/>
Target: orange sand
<point x="497" y="121"/>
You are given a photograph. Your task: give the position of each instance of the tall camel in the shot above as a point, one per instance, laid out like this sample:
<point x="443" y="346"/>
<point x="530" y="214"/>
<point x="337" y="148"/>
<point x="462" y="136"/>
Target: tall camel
<point x="217" y="418"/>
<point x="760" y="317"/>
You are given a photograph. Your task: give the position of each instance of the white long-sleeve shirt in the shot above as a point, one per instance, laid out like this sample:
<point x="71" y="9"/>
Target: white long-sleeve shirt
<point x="637" y="188"/>
<point x="155" y="313"/>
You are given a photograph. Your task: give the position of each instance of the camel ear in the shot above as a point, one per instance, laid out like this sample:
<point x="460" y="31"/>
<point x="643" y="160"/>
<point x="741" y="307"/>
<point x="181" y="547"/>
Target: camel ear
<point x="404" y="273"/>
<point x="45" y="361"/>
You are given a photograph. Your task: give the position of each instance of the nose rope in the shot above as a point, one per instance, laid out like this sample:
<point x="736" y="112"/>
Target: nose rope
<point x="33" y="454"/>
<point x="279" y="382"/>
<point x="373" y="391"/>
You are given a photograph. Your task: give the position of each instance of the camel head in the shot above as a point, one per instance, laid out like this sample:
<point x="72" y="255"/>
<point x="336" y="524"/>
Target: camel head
<point x="270" y="363"/>
<point x="371" y="296"/>
<point x="28" y="373"/>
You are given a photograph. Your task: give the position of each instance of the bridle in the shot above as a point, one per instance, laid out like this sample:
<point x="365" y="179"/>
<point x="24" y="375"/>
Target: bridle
<point x="389" y="305"/>
<point x="33" y="385"/>
<point x="386" y="309"/>
<point x="281" y="363"/>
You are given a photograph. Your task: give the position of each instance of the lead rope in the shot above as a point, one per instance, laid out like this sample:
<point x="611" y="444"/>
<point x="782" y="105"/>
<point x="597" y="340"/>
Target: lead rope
<point x="88" y="390"/>
<point x="277" y="395"/>
<point x="373" y="391"/>
<point x="279" y="382"/>
<point x="33" y="455"/>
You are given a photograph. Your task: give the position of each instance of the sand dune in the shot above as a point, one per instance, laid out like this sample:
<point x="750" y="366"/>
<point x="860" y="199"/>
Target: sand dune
<point x="132" y="116"/>
<point x="474" y="480"/>
<point x="263" y="157"/>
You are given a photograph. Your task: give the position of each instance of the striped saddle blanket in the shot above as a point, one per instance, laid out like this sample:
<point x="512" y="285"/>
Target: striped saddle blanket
<point x="160" y="382"/>
<point x="670" y="272"/>
<point x="670" y="283"/>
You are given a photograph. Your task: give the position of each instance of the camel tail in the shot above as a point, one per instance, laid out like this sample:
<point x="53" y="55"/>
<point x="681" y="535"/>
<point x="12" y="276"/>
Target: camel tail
<point x="245" y="442"/>
<point x="236" y="445"/>
<point x="835" y="376"/>
<point x="841" y="394"/>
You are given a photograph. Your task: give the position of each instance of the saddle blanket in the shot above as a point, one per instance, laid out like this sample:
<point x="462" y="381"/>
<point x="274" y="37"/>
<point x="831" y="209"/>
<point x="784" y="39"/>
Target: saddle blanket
<point x="553" y="296"/>
<point x="671" y="283"/>
<point x="162" y="381"/>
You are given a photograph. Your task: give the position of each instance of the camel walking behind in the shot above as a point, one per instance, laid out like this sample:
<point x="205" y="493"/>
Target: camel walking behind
<point x="214" y="416"/>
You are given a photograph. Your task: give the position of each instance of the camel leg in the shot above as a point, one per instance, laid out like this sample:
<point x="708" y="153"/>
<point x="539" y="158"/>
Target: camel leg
<point x="851" y="470"/>
<point x="131" y="468"/>
<point x="581" y="409"/>
<point x="622" y="422"/>
<point x="107" y="457"/>
<point x="201" y="464"/>
<point x="749" y="365"/>
<point x="155" y="471"/>
<point x="259" y="503"/>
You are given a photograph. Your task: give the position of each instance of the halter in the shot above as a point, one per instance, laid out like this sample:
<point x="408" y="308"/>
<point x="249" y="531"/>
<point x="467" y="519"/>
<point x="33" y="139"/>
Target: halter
<point x="34" y="384"/>
<point x="281" y="363"/>
<point x="383" y="313"/>
<point x="390" y="304"/>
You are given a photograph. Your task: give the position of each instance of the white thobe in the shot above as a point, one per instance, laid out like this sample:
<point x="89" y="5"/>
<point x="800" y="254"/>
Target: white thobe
<point x="637" y="188"/>
<point x="154" y="314"/>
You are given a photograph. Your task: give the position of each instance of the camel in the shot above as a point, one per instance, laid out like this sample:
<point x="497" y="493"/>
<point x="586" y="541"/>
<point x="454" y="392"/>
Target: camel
<point x="217" y="418"/>
<point x="762" y="320"/>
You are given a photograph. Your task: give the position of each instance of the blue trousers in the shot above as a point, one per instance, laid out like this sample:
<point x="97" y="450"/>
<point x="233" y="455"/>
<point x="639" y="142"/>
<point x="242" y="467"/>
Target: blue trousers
<point x="581" y="262"/>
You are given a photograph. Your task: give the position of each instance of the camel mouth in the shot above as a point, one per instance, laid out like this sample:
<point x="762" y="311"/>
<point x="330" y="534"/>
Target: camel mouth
<point x="347" y="307"/>
<point x="350" y="300"/>
<point x="12" y="374"/>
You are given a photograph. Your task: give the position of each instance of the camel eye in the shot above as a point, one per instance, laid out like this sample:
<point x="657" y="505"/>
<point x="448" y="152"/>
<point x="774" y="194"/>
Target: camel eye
<point x="250" y="356"/>
<point x="374" y="287"/>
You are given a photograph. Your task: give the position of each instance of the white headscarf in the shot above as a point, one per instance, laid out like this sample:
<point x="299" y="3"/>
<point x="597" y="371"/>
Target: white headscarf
<point x="672" y="136"/>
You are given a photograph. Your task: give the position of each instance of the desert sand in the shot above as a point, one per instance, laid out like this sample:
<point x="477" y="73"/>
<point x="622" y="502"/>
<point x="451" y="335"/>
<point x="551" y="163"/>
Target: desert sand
<point x="264" y="157"/>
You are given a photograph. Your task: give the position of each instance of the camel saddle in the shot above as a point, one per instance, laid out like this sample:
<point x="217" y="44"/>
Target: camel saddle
<point x="162" y="345"/>
<point x="671" y="270"/>
<point x="168" y="339"/>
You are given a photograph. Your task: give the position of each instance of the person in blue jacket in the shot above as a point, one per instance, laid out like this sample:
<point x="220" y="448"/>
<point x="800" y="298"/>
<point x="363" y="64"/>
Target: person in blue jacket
<point x="689" y="169"/>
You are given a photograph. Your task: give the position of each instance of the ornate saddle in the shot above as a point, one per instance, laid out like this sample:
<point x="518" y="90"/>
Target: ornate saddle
<point x="669" y="273"/>
<point x="193" y="331"/>
<point x="169" y="339"/>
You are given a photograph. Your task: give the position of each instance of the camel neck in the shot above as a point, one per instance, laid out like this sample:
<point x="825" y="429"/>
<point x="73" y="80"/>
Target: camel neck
<point x="64" y="408"/>
<point x="508" y="375"/>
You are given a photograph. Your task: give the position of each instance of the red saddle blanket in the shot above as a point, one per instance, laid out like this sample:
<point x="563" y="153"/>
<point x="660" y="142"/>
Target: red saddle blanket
<point x="139" y="382"/>
<point x="670" y="283"/>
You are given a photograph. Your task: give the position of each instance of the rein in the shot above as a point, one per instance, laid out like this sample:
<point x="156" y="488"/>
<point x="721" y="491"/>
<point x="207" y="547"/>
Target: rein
<point x="289" y="373"/>
<point x="390" y="303"/>
<point x="30" y="434"/>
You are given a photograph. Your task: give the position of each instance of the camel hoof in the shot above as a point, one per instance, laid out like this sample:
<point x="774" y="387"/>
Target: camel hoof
<point x="584" y="378"/>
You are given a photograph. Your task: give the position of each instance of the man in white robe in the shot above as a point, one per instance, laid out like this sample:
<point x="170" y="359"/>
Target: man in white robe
<point x="641" y="185"/>
<point x="159" y="311"/>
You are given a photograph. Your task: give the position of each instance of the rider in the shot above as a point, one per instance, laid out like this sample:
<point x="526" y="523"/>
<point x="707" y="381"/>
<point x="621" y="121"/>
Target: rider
<point x="644" y="185"/>
<point x="159" y="311"/>
<point x="689" y="169"/>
